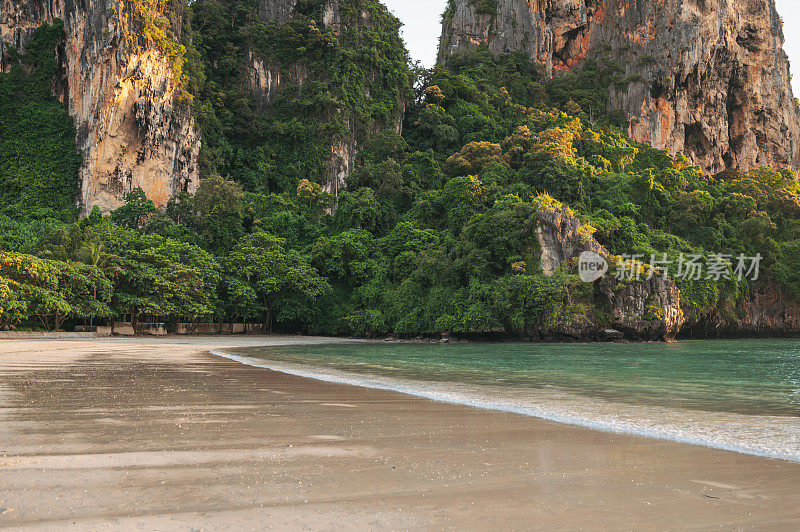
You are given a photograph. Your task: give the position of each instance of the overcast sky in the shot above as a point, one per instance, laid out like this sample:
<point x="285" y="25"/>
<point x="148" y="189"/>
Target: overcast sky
<point x="422" y="19"/>
<point x="422" y="26"/>
<point x="790" y="11"/>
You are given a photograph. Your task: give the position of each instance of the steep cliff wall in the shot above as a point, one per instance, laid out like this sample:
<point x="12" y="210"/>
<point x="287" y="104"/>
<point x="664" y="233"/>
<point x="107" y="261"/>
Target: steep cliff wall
<point x="764" y="311"/>
<point x="648" y="308"/>
<point x="131" y="130"/>
<point x="708" y="79"/>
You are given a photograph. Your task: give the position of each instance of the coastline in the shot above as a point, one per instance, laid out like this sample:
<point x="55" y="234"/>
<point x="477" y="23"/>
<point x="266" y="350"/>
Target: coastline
<point x="683" y="426"/>
<point x="158" y="433"/>
<point x="499" y="338"/>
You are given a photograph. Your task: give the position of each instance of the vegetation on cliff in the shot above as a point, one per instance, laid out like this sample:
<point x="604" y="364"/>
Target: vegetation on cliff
<point x="341" y="83"/>
<point x="148" y="24"/>
<point x="38" y="160"/>
<point x="437" y="229"/>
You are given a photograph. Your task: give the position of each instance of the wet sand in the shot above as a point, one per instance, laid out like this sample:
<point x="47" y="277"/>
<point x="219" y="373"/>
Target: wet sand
<point x="156" y="434"/>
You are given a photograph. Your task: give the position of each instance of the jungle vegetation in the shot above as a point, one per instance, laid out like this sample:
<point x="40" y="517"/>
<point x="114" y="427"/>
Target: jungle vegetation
<point x="435" y="229"/>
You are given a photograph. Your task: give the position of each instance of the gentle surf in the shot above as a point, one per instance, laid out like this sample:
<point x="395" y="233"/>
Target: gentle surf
<point x="738" y="395"/>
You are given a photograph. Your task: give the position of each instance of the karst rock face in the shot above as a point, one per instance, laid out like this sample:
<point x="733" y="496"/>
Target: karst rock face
<point x="647" y="308"/>
<point x="132" y="130"/>
<point x="267" y="78"/>
<point x="707" y="78"/>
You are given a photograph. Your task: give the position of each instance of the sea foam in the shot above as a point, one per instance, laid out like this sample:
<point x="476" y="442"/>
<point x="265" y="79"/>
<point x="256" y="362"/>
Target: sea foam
<point x="768" y="436"/>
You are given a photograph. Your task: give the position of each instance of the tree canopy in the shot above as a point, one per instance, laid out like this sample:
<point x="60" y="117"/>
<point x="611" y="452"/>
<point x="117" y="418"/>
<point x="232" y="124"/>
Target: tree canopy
<point x="436" y="230"/>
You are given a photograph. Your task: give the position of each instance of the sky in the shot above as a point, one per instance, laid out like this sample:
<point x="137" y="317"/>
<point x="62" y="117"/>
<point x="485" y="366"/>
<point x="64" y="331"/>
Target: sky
<point x="790" y="12"/>
<point x="422" y="27"/>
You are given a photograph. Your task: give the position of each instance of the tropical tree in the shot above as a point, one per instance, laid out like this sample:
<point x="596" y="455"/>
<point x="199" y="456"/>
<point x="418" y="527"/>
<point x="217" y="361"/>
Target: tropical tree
<point x="279" y="278"/>
<point x="136" y="210"/>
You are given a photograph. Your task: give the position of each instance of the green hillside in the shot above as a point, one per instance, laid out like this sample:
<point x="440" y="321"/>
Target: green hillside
<point x="436" y="229"/>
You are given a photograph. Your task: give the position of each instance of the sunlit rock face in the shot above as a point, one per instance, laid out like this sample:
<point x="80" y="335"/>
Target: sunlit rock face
<point x="709" y="78"/>
<point x="648" y="308"/>
<point x="132" y="130"/>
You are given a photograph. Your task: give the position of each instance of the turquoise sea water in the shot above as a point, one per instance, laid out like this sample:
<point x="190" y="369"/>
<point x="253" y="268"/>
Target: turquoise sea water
<point x="741" y="395"/>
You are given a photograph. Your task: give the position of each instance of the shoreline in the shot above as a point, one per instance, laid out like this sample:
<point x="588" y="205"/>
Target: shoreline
<point x="442" y="393"/>
<point x="444" y="338"/>
<point x="160" y="434"/>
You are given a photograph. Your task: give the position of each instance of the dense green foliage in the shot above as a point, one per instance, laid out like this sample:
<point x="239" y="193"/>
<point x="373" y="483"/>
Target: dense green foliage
<point x="346" y="80"/>
<point x="38" y="161"/>
<point x="436" y="229"/>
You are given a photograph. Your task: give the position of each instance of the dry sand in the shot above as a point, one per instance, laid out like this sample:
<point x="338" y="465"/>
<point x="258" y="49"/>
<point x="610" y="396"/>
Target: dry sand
<point x="158" y="434"/>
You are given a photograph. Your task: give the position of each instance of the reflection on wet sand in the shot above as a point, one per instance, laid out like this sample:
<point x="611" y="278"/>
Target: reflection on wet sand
<point x="160" y="434"/>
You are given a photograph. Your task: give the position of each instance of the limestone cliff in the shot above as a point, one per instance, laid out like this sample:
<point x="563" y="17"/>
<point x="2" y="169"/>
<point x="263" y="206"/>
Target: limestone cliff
<point x="764" y="311"/>
<point x="131" y="129"/>
<point x="648" y="308"/>
<point x="708" y="79"/>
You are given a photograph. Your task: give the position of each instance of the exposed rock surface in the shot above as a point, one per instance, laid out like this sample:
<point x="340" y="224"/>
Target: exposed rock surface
<point x="560" y="239"/>
<point x="278" y="10"/>
<point x="131" y="129"/>
<point x="764" y="311"/>
<point x="648" y="308"/>
<point x="708" y="78"/>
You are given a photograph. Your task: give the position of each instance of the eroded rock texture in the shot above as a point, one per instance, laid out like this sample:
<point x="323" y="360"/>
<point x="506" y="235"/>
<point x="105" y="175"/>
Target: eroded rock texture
<point x="131" y="129"/>
<point x="710" y="78"/>
<point x="764" y="311"/>
<point x="278" y="10"/>
<point x="648" y="308"/>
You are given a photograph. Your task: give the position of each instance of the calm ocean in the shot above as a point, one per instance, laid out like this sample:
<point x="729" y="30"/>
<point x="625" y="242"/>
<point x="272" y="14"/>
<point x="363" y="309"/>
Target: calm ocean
<point x="740" y="395"/>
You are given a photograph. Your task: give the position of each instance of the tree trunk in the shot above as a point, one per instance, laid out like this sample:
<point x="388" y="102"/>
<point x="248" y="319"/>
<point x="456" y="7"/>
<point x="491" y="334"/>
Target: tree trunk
<point x="268" y="320"/>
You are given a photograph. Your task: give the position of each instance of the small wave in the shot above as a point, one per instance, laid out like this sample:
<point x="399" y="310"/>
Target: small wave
<point x="767" y="436"/>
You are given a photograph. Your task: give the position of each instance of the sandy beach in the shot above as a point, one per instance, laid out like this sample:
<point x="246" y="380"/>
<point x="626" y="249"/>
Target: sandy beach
<point x="157" y="434"/>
